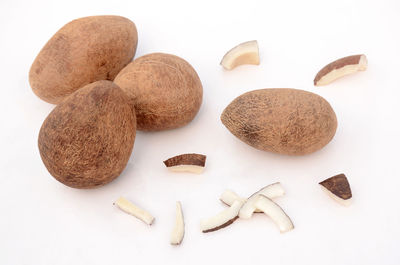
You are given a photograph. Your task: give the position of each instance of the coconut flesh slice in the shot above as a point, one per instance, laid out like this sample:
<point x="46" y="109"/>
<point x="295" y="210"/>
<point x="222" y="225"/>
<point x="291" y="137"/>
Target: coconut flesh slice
<point x="271" y="191"/>
<point x="193" y="163"/>
<point x="134" y="210"/>
<point x="339" y="68"/>
<point x="228" y="197"/>
<point x="275" y="212"/>
<point x="338" y="188"/>
<point x="179" y="229"/>
<point x="222" y="219"/>
<point x="244" y="53"/>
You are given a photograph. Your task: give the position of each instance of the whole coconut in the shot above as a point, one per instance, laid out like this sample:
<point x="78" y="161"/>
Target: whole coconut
<point x="83" y="51"/>
<point x="164" y="90"/>
<point x="86" y="141"/>
<point x="284" y="121"/>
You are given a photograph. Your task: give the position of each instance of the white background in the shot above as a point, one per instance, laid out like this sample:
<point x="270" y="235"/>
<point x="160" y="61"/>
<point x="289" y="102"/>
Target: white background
<point x="45" y="222"/>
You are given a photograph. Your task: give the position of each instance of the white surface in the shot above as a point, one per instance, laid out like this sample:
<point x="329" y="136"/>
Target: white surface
<point x="45" y="222"/>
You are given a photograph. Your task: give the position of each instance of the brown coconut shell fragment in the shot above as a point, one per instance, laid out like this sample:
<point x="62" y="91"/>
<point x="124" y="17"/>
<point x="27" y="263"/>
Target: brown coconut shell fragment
<point x="338" y="188"/>
<point x="193" y="163"/>
<point x="339" y="68"/>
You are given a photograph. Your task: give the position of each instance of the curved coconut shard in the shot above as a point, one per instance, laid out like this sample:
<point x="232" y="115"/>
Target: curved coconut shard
<point x="338" y="188"/>
<point x="339" y="68"/>
<point x="179" y="230"/>
<point x="222" y="219"/>
<point x="244" y="53"/>
<point x="275" y="212"/>
<point x="193" y="163"/>
<point x="271" y="191"/>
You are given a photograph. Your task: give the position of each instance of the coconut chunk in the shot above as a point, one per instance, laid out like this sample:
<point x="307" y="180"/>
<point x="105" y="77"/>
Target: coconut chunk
<point x="179" y="230"/>
<point x="338" y="188"/>
<point x="244" y="53"/>
<point x="275" y="212"/>
<point x="134" y="210"/>
<point x="271" y="191"/>
<point x="341" y="67"/>
<point x="222" y="219"/>
<point x="193" y="163"/>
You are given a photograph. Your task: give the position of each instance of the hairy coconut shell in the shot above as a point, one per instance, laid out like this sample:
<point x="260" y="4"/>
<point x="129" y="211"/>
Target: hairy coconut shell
<point x="86" y="141"/>
<point x="284" y="121"/>
<point x="164" y="89"/>
<point x="83" y="51"/>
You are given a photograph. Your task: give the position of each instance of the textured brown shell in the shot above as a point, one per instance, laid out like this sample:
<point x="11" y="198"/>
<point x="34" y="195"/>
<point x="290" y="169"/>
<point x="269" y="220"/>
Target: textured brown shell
<point x="186" y="159"/>
<point x="339" y="186"/>
<point x="83" y="51"/>
<point x="284" y="121"/>
<point x="164" y="89"/>
<point x="86" y="141"/>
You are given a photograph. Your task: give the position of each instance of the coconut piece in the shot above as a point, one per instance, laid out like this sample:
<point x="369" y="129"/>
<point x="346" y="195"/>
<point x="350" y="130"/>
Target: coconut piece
<point x="275" y="212"/>
<point x="271" y="191"/>
<point x="339" y="68"/>
<point x="228" y="197"/>
<point x="338" y="188"/>
<point x="193" y="163"/>
<point x="179" y="230"/>
<point x="222" y="219"/>
<point x="244" y="53"/>
<point x="134" y="210"/>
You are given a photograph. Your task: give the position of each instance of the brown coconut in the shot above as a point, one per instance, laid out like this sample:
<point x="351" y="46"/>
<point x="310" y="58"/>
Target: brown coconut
<point x="83" y="51"/>
<point x="164" y="90"/>
<point x="284" y="121"/>
<point x="86" y="141"/>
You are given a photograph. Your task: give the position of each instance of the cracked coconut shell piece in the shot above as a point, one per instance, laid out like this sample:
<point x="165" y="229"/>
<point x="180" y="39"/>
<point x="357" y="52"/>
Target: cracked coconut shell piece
<point x="284" y="121"/>
<point x="164" y="90"/>
<point x="338" y="188"/>
<point x="83" y="51"/>
<point x="244" y="53"/>
<point x="86" y="141"/>
<point x="339" y="68"/>
<point x="193" y="163"/>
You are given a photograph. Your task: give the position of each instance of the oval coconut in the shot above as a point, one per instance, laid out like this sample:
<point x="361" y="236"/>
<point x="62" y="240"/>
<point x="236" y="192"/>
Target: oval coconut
<point x="164" y="90"/>
<point x="86" y="141"/>
<point x="83" y="51"/>
<point x="284" y="121"/>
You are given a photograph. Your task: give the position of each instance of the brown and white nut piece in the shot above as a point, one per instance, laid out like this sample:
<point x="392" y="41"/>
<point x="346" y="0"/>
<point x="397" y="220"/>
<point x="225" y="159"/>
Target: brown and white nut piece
<point x="338" y="188"/>
<point x="244" y="53"/>
<point x="193" y="163"/>
<point x="340" y="68"/>
<point x="271" y="191"/>
<point x="275" y="212"/>
<point x="179" y="230"/>
<point x="228" y="197"/>
<point x="223" y="219"/>
<point x="134" y="210"/>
